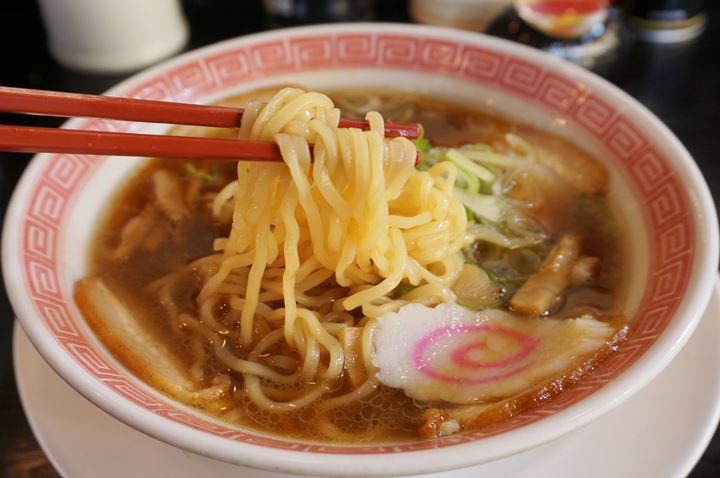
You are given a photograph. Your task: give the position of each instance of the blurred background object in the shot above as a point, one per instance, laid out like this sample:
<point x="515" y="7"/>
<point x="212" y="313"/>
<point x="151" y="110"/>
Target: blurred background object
<point x="666" y="21"/>
<point x="586" y="32"/>
<point x="569" y="19"/>
<point x="474" y="15"/>
<point x="111" y="36"/>
<point x="301" y="12"/>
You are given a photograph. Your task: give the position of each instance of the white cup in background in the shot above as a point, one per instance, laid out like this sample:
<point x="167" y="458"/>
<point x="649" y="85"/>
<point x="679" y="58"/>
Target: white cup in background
<point x="113" y="36"/>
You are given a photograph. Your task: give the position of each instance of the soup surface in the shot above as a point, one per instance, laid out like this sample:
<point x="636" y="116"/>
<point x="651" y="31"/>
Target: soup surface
<point x="150" y="256"/>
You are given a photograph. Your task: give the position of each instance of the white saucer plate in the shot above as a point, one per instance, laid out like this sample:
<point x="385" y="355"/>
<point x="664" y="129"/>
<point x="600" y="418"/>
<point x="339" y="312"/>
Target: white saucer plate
<point x="660" y="432"/>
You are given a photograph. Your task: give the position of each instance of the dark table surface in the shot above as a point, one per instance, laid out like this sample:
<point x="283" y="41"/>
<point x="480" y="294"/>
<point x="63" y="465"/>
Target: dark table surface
<point x="679" y="83"/>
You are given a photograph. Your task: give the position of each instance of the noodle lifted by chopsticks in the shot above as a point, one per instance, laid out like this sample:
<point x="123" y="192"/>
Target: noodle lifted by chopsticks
<point x="327" y="238"/>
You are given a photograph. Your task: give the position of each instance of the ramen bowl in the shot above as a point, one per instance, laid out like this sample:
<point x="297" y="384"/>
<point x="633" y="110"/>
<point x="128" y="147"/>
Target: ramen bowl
<point x="661" y="200"/>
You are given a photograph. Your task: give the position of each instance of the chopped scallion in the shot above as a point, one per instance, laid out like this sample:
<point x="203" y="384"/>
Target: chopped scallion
<point x="198" y="173"/>
<point x="469" y="166"/>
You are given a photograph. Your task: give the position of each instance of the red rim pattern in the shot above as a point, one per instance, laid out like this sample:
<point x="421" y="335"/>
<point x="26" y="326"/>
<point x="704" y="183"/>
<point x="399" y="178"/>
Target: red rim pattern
<point x="658" y="190"/>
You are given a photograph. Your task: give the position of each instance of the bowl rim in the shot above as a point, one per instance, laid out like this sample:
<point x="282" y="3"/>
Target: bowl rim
<point x="460" y="455"/>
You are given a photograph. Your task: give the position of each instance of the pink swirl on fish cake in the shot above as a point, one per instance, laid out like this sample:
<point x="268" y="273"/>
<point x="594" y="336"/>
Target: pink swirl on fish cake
<point x="461" y="355"/>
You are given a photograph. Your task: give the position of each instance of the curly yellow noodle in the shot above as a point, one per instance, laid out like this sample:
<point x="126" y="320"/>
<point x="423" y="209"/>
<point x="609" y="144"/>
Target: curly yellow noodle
<point x="320" y="243"/>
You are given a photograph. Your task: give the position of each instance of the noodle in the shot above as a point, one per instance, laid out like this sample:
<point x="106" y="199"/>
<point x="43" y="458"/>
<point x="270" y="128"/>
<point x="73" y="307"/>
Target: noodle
<point x="358" y="216"/>
<point x="348" y="294"/>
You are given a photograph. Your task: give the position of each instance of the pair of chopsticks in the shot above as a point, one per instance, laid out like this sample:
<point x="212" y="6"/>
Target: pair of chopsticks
<point x="51" y="140"/>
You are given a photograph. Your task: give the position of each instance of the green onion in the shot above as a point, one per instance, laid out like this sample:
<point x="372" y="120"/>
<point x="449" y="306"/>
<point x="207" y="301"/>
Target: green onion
<point x="471" y="182"/>
<point x="470" y="215"/>
<point x="489" y="157"/>
<point x="492" y="277"/>
<point x="469" y="166"/>
<point x="482" y="205"/>
<point x="403" y="289"/>
<point x="472" y="307"/>
<point x="198" y="173"/>
<point x="422" y="144"/>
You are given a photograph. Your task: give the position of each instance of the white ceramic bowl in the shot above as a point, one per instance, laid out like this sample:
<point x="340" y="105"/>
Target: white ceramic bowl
<point x="661" y="197"/>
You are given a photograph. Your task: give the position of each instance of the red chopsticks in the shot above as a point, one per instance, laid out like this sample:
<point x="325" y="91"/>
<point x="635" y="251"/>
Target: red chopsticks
<point x="54" y="140"/>
<point x="51" y="140"/>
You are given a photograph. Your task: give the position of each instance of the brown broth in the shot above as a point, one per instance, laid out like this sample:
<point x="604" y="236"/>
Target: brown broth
<point x="387" y="415"/>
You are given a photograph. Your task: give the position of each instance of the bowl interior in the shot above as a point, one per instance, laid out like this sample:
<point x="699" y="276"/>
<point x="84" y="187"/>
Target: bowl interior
<point x="49" y="226"/>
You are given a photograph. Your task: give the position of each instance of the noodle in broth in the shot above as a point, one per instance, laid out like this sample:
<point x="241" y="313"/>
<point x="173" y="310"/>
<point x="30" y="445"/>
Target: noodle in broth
<point x="275" y="325"/>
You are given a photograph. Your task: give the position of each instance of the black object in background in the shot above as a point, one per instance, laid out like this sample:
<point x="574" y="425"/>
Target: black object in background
<point x="666" y="21"/>
<point x="597" y="50"/>
<point x="303" y="12"/>
<point x="664" y="10"/>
